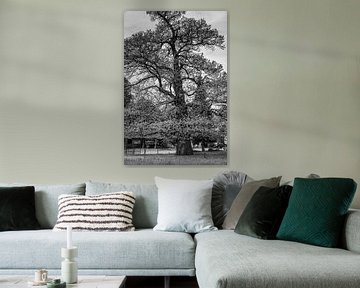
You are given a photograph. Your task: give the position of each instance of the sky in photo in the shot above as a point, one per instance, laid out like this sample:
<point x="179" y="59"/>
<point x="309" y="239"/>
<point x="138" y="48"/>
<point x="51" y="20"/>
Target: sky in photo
<point x="135" y="21"/>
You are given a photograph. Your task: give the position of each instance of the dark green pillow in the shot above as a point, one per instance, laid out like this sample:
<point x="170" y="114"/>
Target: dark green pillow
<point x="17" y="208"/>
<point x="264" y="212"/>
<point x="316" y="211"/>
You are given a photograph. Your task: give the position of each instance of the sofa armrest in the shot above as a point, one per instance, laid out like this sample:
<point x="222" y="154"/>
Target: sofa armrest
<point x="351" y="234"/>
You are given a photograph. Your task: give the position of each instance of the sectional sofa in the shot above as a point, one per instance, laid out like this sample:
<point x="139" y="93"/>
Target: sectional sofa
<point x="219" y="259"/>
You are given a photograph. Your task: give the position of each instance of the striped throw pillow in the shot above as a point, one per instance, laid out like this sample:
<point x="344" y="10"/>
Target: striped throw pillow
<point x="105" y="212"/>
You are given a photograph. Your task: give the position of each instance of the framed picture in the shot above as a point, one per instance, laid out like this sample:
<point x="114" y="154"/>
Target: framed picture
<point x="175" y="88"/>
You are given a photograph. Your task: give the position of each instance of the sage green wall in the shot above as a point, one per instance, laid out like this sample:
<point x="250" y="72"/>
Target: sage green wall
<point x="294" y="84"/>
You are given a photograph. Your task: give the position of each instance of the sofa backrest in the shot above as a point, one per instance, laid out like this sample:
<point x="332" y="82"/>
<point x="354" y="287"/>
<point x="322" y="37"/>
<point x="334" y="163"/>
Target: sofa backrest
<point x="146" y="203"/>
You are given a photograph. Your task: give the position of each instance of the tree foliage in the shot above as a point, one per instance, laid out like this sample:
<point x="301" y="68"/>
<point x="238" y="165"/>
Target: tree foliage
<point x="171" y="90"/>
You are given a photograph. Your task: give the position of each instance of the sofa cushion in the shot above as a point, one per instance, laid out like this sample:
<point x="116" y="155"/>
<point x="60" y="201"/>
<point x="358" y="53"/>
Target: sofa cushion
<point x="317" y="209"/>
<point x="105" y="212"/>
<point x="225" y="189"/>
<point x="243" y="198"/>
<point x="263" y="214"/>
<point x="17" y="208"/>
<point x="350" y="239"/>
<point x="146" y="205"/>
<point x="184" y="205"/>
<point x="137" y="250"/>
<point x="46" y="200"/>
<point x="225" y="259"/>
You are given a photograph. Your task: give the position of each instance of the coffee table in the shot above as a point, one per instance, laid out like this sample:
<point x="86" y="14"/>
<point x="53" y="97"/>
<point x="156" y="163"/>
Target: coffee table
<point x="84" y="281"/>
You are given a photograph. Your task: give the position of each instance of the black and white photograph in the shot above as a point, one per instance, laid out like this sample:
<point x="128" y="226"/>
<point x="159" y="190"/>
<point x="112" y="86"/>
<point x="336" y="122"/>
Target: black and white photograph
<point x="175" y="88"/>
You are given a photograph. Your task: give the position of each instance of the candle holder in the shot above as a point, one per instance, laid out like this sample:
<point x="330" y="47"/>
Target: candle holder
<point x="69" y="271"/>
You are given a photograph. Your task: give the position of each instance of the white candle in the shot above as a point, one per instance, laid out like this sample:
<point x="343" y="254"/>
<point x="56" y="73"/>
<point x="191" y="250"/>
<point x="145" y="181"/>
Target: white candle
<point x="69" y="237"/>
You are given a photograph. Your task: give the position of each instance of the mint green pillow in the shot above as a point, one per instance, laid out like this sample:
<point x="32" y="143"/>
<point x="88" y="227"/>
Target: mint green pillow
<point x="316" y="211"/>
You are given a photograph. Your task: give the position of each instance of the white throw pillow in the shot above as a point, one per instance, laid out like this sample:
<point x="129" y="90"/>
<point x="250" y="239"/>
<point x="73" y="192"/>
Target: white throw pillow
<point x="184" y="205"/>
<point x="104" y="212"/>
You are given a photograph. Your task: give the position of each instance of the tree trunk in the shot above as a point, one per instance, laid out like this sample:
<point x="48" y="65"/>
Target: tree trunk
<point x="143" y="146"/>
<point x="183" y="147"/>
<point x="180" y="104"/>
<point x="202" y="146"/>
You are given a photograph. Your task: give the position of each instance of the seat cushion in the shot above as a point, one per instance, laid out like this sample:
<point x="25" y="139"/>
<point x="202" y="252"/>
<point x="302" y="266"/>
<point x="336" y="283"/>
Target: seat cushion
<point x="143" y="249"/>
<point x="225" y="259"/>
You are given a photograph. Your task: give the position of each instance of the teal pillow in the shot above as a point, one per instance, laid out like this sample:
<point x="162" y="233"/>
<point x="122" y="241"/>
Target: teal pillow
<point x="316" y="211"/>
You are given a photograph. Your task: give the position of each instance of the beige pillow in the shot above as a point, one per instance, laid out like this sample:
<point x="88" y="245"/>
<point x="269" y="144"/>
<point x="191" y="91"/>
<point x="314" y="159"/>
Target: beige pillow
<point x="243" y="198"/>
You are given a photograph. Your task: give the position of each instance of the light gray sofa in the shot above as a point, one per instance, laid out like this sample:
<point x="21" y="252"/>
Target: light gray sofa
<point x="142" y="252"/>
<point x="219" y="259"/>
<point x="225" y="259"/>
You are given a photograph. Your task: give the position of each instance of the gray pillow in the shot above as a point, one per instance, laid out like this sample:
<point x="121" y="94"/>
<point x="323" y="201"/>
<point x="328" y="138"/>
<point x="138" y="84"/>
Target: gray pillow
<point x="184" y="205"/>
<point x="46" y="200"/>
<point x="243" y="198"/>
<point x="226" y="187"/>
<point x="146" y="206"/>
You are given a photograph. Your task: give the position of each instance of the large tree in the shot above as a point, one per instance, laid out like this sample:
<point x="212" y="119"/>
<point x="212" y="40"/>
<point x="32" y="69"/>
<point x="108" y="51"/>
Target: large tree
<point x="167" y="63"/>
